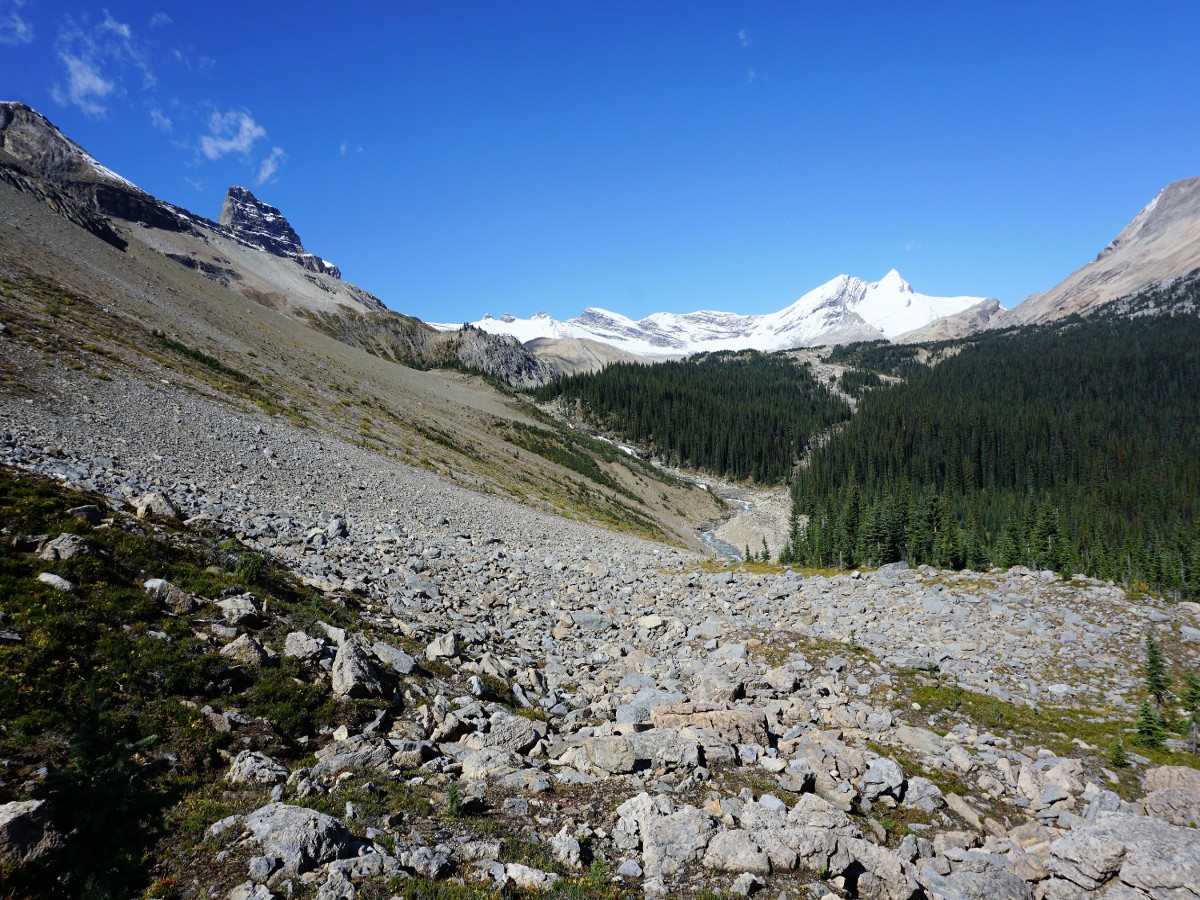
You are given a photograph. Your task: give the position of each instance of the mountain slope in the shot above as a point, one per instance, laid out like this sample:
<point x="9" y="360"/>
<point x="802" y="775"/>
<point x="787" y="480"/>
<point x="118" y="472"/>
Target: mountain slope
<point x="80" y="315"/>
<point x="841" y="310"/>
<point x="1161" y="242"/>
<point x="253" y="251"/>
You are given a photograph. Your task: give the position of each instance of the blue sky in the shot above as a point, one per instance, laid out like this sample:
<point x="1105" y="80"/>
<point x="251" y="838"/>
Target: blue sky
<point x="457" y="158"/>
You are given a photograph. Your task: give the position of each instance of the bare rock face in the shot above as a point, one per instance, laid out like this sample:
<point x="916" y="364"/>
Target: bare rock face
<point x="265" y="227"/>
<point x="1161" y="242"/>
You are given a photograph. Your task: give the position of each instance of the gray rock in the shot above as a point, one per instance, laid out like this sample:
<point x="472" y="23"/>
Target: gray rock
<point x="974" y="879"/>
<point x="249" y="890"/>
<point x="245" y="650"/>
<point x="157" y="504"/>
<point x="300" y="646"/>
<point x="358" y="753"/>
<point x="244" y="610"/>
<point x="736" y="851"/>
<point x="252" y="767"/>
<point x="566" y="848"/>
<point x="529" y="879"/>
<point x="26" y="832"/>
<point x="507" y="732"/>
<point x="883" y="776"/>
<point x="396" y="660"/>
<point x="491" y="763"/>
<point x="670" y="842"/>
<point x="746" y="884"/>
<point x="442" y="647"/>
<point x="614" y="755"/>
<point x="1160" y="859"/>
<point x="353" y="675"/>
<point x="56" y="581"/>
<point x="68" y="546"/>
<point x="302" y="838"/>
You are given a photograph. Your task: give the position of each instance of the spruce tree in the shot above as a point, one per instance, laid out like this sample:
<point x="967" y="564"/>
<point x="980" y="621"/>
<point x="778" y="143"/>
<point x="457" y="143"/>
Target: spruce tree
<point x="1119" y="759"/>
<point x="1151" y="732"/>
<point x="1154" y="670"/>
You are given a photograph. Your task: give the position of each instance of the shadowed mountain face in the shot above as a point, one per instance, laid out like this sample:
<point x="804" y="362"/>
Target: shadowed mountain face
<point x="264" y="226"/>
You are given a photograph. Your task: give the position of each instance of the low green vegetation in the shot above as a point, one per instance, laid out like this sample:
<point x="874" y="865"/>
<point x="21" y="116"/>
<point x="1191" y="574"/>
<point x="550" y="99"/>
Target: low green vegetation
<point x="103" y="691"/>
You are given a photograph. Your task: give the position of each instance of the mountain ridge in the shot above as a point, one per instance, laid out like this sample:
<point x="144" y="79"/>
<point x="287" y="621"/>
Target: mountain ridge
<point x="841" y="310"/>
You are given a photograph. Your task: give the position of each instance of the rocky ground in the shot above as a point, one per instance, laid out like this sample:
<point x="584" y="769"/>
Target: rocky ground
<point x="890" y="734"/>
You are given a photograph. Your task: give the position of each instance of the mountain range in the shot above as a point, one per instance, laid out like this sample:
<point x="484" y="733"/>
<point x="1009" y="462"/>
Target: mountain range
<point x="841" y="310"/>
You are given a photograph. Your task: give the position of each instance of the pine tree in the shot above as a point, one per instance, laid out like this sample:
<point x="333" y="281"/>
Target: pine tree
<point x="1154" y="670"/>
<point x="1151" y="732"/>
<point x="1119" y="759"/>
<point x="766" y="551"/>
<point x="1191" y="692"/>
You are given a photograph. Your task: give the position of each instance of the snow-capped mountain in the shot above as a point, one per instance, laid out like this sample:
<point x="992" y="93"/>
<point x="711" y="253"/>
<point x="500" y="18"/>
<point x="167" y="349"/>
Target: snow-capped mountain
<point x="844" y="309"/>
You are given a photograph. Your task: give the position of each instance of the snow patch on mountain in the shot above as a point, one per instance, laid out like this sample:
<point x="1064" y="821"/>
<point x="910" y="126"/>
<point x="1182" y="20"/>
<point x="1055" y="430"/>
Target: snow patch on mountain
<point x="843" y="309"/>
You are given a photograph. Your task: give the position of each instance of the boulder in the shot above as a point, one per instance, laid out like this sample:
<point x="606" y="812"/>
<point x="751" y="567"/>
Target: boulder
<point x="736" y="851"/>
<point x="353" y="675"/>
<point x="300" y="646"/>
<point x="614" y="755"/>
<point x="738" y="726"/>
<point x="26" y="832"/>
<point x="301" y="838"/>
<point x="505" y="731"/>
<point x="358" y="753"/>
<point x="68" y="546"/>
<point x="155" y="503"/>
<point x="245" y="650"/>
<point x="56" y="581"/>
<point x="252" y="767"/>
<point x="396" y="660"/>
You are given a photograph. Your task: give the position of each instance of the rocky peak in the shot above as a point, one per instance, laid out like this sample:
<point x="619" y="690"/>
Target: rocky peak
<point x="263" y="226"/>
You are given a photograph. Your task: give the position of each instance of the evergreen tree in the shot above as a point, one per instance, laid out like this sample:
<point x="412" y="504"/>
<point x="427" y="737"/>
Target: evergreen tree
<point x="1119" y="758"/>
<point x="1154" y="670"/>
<point x="1151" y="732"/>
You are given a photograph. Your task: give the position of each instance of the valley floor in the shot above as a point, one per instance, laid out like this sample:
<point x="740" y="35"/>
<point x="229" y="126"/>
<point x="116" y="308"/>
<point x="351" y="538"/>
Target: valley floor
<point x="887" y="734"/>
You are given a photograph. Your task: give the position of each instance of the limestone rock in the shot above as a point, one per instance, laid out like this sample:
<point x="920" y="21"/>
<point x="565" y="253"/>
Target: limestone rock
<point x="252" y="767"/>
<point x="353" y="675"/>
<point x="26" y="832"/>
<point x="302" y="838"/>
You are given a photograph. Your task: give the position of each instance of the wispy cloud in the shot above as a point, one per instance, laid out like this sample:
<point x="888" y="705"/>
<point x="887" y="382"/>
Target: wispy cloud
<point x="234" y="131"/>
<point x="270" y="165"/>
<point x="160" y="20"/>
<point x="910" y="245"/>
<point x="160" y="119"/>
<point x="96" y="58"/>
<point x="86" y="88"/>
<point x="744" y="38"/>
<point x="14" y="28"/>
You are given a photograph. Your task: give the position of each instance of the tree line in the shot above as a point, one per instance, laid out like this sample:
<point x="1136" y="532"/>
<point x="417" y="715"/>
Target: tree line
<point x="1074" y="447"/>
<point x="744" y="415"/>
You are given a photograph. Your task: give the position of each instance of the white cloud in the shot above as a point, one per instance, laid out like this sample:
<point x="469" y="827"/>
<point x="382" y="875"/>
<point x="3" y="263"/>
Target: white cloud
<point x="910" y="245"/>
<point x="120" y="29"/>
<point x="744" y="38"/>
<point x="196" y="184"/>
<point x="14" y="28"/>
<point x="342" y="149"/>
<point x="97" y="56"/>
<point x="270" y="165"/>
<point x="160" y="20"/>
<point x="234" y="131"/>
<point x="86" y="87"/>
<point x="160" y="119"/>
<point x="751" y="75"/>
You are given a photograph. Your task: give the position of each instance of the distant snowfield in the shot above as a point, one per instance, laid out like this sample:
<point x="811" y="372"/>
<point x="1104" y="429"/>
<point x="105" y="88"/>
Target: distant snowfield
<point x="845" y="308"/>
